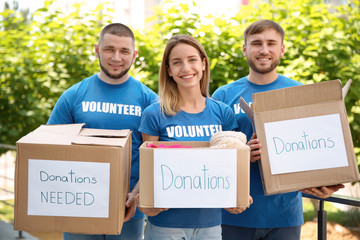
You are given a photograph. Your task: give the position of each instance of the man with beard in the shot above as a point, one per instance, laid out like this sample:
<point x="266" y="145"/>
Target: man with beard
<point x="111" y="99"/>
<point x="277" y="216"/>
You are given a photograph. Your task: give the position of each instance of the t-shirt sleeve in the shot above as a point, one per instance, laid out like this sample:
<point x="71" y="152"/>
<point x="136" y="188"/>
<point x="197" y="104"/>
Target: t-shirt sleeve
<point x="61" y="113"/>
<point x="150" y="121"/>
<point x="218" y="95"/>
<point x="153" y="98"/>
<point x="229" y="119"/>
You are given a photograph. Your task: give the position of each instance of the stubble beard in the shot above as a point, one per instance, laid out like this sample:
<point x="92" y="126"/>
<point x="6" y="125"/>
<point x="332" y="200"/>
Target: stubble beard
<point x="114" y="76"/>
<point x="253" y="66"/>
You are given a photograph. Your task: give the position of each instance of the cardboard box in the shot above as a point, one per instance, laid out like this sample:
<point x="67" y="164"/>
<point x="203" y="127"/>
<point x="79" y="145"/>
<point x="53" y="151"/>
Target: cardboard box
<point x="200" y="176"/>
<point x="305" y="137"/>
<point x="72" y="179"/>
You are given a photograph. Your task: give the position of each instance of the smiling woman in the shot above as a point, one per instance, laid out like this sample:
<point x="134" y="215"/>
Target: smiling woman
<point x="186" y="67"/>
<point x="185" y="113"/>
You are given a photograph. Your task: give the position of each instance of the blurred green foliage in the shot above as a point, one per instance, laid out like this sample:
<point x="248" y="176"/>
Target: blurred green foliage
<point x="7" y="211"/>
<point x="44" y="56"/>
<point x="39" y="60"/>
<point x="347" y="218"/>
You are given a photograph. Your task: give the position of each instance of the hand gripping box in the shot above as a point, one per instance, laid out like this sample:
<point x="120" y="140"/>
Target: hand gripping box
<point x="72" y="179"/>
<point x="193" y="177"/>
<point x="305" y="137"/>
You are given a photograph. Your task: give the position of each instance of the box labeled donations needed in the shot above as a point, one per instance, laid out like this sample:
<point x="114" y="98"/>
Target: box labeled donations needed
<point x="196" y="176"/>
<point x="72" y="179"/>
<point x="305" y="137"/>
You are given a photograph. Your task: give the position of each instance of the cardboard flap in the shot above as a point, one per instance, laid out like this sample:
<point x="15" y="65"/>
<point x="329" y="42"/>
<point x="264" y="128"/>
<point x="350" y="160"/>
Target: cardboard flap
<point x="90" y="132"/>
<point x="345" y="89"/>
<point x="104" y="137"/>
<point x="297" y="96"/>
<point x="61" y="134"/>
<point x="249" y="112"/>
<point x="63" y="129"/>
<point x="103" y="141"/>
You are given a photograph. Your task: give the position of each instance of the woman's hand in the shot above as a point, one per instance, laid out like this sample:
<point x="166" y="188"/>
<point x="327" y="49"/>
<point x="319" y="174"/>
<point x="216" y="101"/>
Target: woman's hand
<point x="237" y="210"/>
<point x="152" y="211"/>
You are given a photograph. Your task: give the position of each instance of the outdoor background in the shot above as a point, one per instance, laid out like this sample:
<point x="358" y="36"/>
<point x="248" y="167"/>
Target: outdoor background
<point x="45" y="50"/>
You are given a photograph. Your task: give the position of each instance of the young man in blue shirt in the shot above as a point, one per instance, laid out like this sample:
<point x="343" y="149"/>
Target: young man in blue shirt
<point x="277" y="216"/>
<point x="111" y="99"/>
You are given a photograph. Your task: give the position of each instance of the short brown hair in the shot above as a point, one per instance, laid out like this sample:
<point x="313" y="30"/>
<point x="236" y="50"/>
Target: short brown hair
<point x="261" y="26"/>
<point x="117" y="29"/>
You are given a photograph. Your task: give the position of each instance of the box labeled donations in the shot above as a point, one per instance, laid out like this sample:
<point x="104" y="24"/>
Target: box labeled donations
<point x="72" y="179"/>
<point x="305" y="137"/>
<point x="196" y="176"/>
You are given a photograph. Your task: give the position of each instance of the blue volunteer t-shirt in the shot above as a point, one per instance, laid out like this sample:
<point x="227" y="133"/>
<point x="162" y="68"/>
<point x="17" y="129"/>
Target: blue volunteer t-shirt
<point x="188" y="127"/>
<point x="107" y="106"/>
<point x="280" y="210"/>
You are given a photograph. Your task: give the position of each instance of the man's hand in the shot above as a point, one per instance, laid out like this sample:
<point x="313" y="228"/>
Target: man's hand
<point x="152" y="211"/>
<point x="131" y="204"/>
<point x="323" y="192"/>
<point x="254" y="144"/>
<point x="237" y="210"/>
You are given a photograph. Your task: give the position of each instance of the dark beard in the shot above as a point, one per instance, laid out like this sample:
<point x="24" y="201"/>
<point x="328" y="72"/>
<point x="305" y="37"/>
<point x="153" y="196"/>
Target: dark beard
<point x="113" y="76"/>
<point x="262" y="71"/>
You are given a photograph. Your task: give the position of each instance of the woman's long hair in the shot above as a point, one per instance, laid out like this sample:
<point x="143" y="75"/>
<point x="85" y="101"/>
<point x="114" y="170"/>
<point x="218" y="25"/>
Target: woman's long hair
<point x="169" y="95"/>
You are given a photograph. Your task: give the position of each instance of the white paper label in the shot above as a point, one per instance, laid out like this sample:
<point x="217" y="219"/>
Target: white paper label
<point x="305" y="144"/>
<point x="68" y="188"/>
<point x="195" y="178"/>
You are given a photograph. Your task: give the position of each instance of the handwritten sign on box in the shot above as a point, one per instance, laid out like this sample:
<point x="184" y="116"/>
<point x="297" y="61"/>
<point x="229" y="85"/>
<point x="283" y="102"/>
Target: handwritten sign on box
<point x="305" y="144"/>
<point x="68" y="188"/>
<point x="194" y="178"/>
